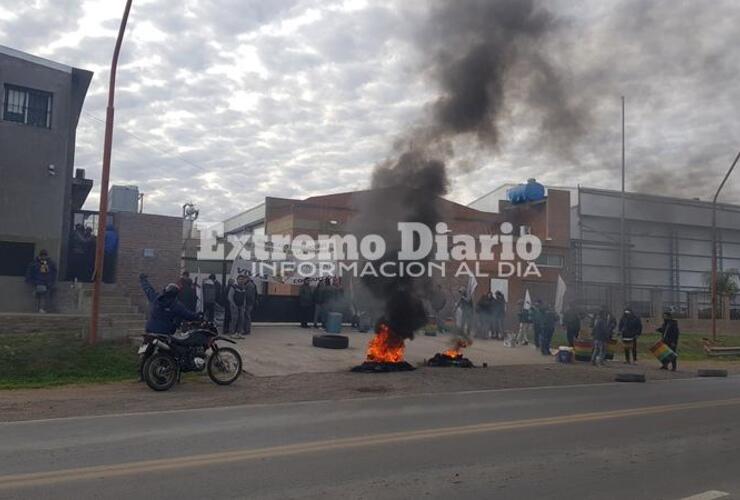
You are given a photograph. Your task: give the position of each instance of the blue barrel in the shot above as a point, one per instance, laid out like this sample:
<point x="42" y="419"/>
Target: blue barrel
<point x="334" y="322"/>
<point x="522" y="193"/>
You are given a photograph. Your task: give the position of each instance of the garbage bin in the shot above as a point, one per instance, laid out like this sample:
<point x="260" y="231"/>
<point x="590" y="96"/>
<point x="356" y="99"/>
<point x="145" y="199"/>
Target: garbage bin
<point x="334" y="322"/>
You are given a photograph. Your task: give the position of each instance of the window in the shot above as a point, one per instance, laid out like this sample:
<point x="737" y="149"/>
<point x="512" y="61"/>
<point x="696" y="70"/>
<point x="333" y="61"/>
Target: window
<point x="27" y="106"/>
<point x="550" y="260"/>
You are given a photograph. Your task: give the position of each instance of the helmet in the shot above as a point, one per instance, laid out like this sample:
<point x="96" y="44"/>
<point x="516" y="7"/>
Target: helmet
<point x="171" y="290"/>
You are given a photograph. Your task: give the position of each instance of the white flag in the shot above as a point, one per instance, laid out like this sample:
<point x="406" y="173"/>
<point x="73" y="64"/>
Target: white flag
<point x="560" y="295"/>
<point x="527" y="300"/>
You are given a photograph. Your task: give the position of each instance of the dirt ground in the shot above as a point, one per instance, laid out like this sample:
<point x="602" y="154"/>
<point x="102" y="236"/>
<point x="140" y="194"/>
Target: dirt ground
<point x="199" y="392"/>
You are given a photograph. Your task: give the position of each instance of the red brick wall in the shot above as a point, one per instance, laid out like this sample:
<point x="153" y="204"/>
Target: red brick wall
<point x="137" y="232"/>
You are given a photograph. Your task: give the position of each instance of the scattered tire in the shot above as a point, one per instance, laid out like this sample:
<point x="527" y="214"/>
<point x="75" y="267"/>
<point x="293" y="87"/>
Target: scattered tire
<point x="711" y="372"/>
<point x="331" y="341"/>
<point x="630" y="377"/>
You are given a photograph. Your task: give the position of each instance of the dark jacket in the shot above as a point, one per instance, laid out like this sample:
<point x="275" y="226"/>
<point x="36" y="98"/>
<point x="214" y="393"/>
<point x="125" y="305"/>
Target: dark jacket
<point x="305" y="295"/>
<point x="525" y="315"/>
<point x="486" y="305"/>
<point x="669" y="332"/>
<point x="572" y="320"/>
<point x="187" y="293"/>
<point x="165" y="313"/>
<point x="251" y="290"/>
<point x="600" y="329"/>
<point x="319" y="293"/>
<point x="630" y="326"/>
<point x="211" y="290"/>
<point x="549" y="319"/>
<point x="41" y="272"/>
<point x="498" y="308"/>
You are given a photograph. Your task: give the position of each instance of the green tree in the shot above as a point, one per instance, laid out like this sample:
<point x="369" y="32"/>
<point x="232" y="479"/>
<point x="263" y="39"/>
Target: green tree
<point x="727" y="282"/>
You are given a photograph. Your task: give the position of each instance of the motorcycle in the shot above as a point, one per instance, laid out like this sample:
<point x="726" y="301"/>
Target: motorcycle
<point x="165" y="357"/>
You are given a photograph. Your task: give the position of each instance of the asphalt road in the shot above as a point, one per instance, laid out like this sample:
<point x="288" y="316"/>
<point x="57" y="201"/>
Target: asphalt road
<point x="668" y="440"/>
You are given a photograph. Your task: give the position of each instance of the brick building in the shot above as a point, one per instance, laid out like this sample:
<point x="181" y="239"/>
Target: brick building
<point x="150" y="244"/>
<point x="548" y="219"/>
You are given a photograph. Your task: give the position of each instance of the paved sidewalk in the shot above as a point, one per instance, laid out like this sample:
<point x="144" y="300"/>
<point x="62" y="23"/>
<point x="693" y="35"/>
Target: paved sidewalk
<point x="287" y="350"/>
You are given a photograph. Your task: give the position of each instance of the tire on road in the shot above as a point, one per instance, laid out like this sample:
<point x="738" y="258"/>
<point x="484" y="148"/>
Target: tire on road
<point x="630" y="377"/>
<point x="711" y="372"/>
<point x="331" y="341"/>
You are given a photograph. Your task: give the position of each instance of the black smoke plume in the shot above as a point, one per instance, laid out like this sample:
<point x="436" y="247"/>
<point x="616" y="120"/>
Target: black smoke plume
<point x="480" y="54"/>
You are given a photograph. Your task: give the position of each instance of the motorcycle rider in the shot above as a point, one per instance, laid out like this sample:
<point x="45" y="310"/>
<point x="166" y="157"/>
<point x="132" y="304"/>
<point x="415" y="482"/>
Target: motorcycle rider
<point x="165" y="311"/>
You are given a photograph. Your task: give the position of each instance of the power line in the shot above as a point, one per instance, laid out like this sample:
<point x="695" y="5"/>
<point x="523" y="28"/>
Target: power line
<point x="148" y="144"/>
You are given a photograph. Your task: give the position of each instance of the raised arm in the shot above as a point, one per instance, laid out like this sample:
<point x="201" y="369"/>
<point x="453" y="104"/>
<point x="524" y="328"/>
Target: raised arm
<point x="149" y="291"/>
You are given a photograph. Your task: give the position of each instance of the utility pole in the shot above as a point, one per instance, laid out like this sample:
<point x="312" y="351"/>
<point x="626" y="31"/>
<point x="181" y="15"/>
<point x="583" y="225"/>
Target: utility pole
<point x="104" y="180"/>
<point x="622" y="259"/>
<point x="714" y="248"/>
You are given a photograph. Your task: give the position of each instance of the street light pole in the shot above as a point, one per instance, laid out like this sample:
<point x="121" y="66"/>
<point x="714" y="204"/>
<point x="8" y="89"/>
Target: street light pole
<point x="622" y="257"/>
<point x="104" y="180"/>
<point x="714" y="248"/>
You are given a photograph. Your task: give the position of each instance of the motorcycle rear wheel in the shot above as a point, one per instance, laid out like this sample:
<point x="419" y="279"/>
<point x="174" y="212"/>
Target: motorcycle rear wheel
<point x="224" y="366"/>
<point x="160" y="372"/>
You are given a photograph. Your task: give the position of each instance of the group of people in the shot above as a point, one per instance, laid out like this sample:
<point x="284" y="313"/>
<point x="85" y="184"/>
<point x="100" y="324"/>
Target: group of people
<point x="628" y="328"/>
<point x="237" y="300"/>
<point x="316" y="302"/>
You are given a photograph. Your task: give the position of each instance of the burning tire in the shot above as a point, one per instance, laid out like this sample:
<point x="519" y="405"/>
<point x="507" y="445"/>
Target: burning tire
<point x="331" y="341"/>
<point x="630" y="377"/>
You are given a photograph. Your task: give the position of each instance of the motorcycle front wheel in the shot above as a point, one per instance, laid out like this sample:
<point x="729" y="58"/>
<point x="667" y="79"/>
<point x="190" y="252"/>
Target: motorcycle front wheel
<point x="224" y="366"/>
<point x="160" y="372"/>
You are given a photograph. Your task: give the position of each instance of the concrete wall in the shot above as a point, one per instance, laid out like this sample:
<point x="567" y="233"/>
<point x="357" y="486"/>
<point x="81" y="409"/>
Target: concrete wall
<point x="17" y="296"/>
<point x="161" y="237"/>
<point x="35" y="206"/>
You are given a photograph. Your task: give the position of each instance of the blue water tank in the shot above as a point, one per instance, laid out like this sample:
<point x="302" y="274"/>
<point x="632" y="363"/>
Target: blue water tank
<point x="522" y="193"/>
<point x="334" y="322"/>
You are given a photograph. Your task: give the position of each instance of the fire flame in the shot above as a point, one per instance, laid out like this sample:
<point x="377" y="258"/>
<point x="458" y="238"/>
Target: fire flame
<point x="385" y="347"/>
<point x="458" y="346"/>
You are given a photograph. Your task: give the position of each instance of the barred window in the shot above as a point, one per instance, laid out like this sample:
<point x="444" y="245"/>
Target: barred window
<point x="550" y="260"/>
<point x="27" y="106"/>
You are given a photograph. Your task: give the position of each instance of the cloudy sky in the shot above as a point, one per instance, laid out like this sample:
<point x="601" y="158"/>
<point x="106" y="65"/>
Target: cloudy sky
<point x="224" y="102"/>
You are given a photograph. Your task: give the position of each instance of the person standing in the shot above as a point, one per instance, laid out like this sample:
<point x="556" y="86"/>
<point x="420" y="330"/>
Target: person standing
<point x="525" y="325"/>
<point x="669" y="334"/>
<point x="572" y="324"/>
<point x="319" y="297"/>
<point x="237" y="301"/>
<point x="465" y="306"/>
<point x="537" y="317"/>
<point x="42" y="276"/>
<point x="549" y="321"/>
<point x="305" y="303"/>
<point x="498" y="314"/>
<point x="250" y="289"/>
<point x="89" y="243"/>
<point x="600" y="335"/>
<point x="630" y="327"/>
<point x="226" y="304"/>
<point x="77" y="253"/>
<point x="485" y="316"/>
<point x="211" y="290"/>
<point x="187" y="291"/>
<point x="111" y="252"/>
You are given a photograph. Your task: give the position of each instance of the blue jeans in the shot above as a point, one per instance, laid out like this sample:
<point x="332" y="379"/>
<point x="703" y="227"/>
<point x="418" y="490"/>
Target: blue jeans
<point x="546" y="339"/>
<point x="599" y="352"/>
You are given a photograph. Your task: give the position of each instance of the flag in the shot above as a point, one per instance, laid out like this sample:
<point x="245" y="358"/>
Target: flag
<point x="472" y="285"/>
<point x="527" y="300"/>
<point x="560" y="295"/>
